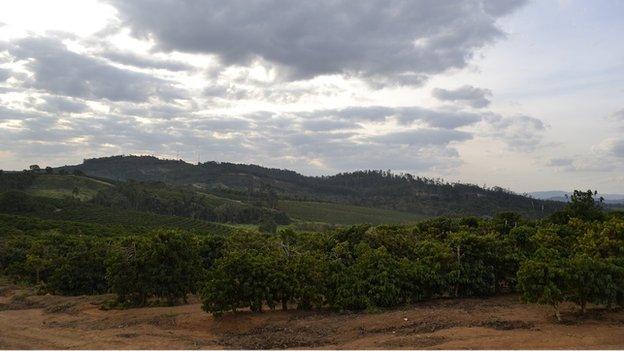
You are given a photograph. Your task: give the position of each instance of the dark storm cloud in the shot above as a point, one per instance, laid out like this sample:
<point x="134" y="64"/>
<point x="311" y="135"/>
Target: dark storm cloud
<point x="132" y="59"/>
<point x="467" y="94"/>
<point x="386" y="41"/>
<point x="61" y="71"/>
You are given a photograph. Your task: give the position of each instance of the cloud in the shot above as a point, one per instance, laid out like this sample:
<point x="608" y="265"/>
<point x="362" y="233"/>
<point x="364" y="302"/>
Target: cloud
<point x="314" y="141"/>
<point x="384" y="41"/>
<point x="618" y="116"/>
<point x="58" y="104"/>
<point x="327" y="124"/>
<point x="467" y="94"/>
<point x="403" y="115"/>
<point x="520" y="133"/>
<point x="581" y="164"/>
<point x="60" y="71"/>
<point x="560" y="162"/>
<point x="613" y="146"/>
<point x="421" y="137"/>
<point x="132" y="59"/>
<point x="4" y="74"/>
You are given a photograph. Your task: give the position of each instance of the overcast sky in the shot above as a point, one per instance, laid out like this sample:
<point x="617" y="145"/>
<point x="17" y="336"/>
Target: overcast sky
<point x="527" y="95"/>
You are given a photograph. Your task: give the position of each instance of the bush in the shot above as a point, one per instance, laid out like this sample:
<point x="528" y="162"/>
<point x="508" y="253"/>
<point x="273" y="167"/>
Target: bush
<point x="164" y="265"/>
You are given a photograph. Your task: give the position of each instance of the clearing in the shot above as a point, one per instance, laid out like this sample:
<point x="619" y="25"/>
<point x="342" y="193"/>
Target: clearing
<point x="57" y="322"/>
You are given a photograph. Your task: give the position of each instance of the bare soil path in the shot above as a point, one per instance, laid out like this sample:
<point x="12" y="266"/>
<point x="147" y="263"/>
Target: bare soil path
<point x="55" y="322"/>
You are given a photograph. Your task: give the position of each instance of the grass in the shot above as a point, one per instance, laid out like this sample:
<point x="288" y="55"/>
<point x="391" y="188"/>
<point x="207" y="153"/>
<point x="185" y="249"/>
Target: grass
<point x="59" y="186"/>
<point x="343" y="214"/>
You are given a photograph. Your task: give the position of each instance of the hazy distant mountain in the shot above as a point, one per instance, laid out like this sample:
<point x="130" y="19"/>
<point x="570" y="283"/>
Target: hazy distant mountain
<point x="558" y="195"/>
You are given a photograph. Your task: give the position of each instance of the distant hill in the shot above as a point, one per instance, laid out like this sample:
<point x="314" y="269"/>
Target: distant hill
<point x="405" y="193"/>
<point x="564" y="196"/>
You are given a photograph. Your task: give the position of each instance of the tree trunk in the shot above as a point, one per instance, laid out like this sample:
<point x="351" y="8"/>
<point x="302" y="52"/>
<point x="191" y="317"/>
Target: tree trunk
<point x="284" y="304"/>
<point x="458" y="270"/>
<point x="583" y="307"/>
<point x="557" y="313"/>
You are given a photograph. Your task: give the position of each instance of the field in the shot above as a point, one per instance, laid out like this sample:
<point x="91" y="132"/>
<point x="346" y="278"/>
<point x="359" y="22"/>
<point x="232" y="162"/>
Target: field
<point x="343" y="213"/>
<point x="59" y="186"/>
<point x="49" y="321"/>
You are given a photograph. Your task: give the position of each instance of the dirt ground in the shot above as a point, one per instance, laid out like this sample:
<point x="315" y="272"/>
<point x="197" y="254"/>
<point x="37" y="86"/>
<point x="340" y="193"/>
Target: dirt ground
<point x="55" y="322"/>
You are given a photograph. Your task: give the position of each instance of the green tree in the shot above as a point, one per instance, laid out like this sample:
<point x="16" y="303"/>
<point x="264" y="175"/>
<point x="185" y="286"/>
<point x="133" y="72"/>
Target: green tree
<point x="589" y="280"/>
<point x="165" y="265"/>
<point x="543" y="280"/>
<point x="267" y="225"/>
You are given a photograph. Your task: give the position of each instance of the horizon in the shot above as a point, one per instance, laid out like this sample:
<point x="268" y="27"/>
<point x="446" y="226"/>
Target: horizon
<point x="197" y="163"/>
<point x="523" y="95"/>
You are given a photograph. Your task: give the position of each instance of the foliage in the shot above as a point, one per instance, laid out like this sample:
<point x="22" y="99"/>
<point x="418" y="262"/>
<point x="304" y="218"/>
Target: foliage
<point x="345" y="268"/>
<point x="160" y="198"/>
<point x="370" y="188"/>
<point x="164" y="265"/>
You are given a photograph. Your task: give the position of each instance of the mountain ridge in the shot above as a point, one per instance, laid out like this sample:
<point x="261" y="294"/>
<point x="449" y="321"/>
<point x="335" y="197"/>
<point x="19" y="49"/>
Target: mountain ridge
<point x="370" y="188"/>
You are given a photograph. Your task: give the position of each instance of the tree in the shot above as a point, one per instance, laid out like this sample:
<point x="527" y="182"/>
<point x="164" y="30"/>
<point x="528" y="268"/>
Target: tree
<point x="166" y="264"/>
<point x="583" y="205"/>
<point x="267" y="225"/>
<point x="249" y="274"/>
<point x="589" y="280"/>
<point x="15" y="202"/>
<point x="34" y="168"/>
<point x="543" y="280"/>
<point x="49" y="170"/>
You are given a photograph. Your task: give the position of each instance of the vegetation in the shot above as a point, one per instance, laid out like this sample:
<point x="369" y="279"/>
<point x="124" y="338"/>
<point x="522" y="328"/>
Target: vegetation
<point x="344" y="214"/>
<point x="159" y="198"/>
<point x="350" y="268"/>
<point x="74" y="210"/>
<point x="267" y="187"/>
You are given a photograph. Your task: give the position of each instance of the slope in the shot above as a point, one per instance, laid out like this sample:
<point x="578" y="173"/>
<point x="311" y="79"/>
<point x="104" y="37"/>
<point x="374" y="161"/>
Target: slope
<point x="424" y="197"/>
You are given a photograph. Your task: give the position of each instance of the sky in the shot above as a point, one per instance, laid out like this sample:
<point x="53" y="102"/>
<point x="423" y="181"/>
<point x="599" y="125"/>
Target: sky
<point x="527" y="95"/>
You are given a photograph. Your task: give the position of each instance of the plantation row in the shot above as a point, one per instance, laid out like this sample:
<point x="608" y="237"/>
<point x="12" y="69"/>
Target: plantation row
<point x="68" y="209"/>
<point x="358" y="267"/>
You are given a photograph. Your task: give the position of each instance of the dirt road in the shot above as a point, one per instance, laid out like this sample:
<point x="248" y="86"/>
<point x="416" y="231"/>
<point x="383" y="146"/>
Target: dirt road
<point x="54" y="322"/>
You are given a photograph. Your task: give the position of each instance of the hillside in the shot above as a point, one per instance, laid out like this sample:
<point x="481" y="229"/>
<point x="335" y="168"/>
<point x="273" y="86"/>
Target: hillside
<point x="59" y="186"/>
<point x="93" y="200"/>
<point x="343" y="213"/>
<point x="374" y="189"/>
<point x="62" y="212"/>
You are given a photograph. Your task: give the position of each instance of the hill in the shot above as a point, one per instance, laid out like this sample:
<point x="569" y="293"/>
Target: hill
<point x="421" y="196"/>
<point x="60" y="186"/>
<point x="336" y="213"/>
